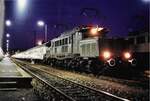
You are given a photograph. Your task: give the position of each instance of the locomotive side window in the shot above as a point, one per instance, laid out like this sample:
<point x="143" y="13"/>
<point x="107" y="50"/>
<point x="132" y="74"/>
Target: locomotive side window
<point x="64" y="49"/>
<point x="55" y="50"/>
<point x="83" y="49"/>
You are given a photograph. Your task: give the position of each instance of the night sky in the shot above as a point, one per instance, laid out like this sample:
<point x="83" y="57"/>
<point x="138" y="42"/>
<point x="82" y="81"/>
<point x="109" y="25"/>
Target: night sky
<point x="120" y="16"/>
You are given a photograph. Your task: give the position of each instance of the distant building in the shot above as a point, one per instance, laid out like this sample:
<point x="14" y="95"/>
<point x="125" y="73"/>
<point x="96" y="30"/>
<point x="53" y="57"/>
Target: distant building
<point x="139" y="42"/>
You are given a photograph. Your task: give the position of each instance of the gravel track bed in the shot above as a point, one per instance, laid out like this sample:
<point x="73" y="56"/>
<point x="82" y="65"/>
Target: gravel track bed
<point x="133" y="92"/>
<point x="77" y="92"/>
<point x="19" y="95"/>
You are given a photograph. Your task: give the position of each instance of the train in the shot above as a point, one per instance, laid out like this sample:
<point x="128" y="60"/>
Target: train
<point x="84" y="48"/>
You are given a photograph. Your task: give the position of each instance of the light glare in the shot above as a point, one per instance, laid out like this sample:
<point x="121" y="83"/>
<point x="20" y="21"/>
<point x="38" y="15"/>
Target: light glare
<point x="7" y="35"/>
<point x="106" y="54"/>
<point x="8" y="23"/>
<point x="39" y="42"/>
<point x="21" y="4"/>
<point x="40" y="23"/>
<point x="127" y="55"/>
<point x="146" y="0"/>
<point x="94" y="31"/>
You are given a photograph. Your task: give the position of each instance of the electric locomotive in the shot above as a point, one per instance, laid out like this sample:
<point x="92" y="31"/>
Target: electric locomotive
<point x="88" y="48"/>
<point x="85" y="48"/>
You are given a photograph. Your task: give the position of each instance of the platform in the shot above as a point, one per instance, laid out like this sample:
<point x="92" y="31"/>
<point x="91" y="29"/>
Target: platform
<point x="10" y="69"/>
<point x="12" y="76"/>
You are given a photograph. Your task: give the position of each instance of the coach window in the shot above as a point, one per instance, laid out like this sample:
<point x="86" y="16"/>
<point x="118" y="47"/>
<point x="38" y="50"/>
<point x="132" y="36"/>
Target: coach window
<point x="62" y="41"/>
<point x="65" y="41"/>
<point x="69" y="40"/>
<point x="58" y="42"/>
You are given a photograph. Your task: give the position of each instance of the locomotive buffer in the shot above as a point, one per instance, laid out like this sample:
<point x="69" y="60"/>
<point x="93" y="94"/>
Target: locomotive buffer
<point x="12" y="76"/>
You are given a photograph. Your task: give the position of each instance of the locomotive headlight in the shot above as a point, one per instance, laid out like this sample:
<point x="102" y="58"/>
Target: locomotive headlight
<point x="106" y="54"/>
<point x="94" y="31"/>
<point x="127" y="55"/>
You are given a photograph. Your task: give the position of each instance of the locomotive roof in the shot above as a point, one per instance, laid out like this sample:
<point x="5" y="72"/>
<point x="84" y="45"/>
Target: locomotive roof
<point x="76" y="29"/>
<point x="66" y="33"/>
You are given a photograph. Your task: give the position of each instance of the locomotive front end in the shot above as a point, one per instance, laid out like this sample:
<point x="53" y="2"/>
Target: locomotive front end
<point x="115" y="53"/>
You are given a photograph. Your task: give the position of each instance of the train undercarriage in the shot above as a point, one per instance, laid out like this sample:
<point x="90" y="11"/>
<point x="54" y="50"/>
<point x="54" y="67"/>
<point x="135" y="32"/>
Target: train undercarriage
<point x="89" y="65"/>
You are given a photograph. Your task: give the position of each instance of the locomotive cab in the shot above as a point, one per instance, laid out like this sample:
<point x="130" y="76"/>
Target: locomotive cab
<point x="111" y="52"/>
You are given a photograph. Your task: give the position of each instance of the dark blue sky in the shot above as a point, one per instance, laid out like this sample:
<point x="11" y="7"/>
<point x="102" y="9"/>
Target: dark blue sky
<point x="119" y="16"/>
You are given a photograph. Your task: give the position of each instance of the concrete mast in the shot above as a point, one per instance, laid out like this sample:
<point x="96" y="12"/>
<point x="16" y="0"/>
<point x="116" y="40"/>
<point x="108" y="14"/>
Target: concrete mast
<point x="1" y="20"/>
<point x="2" y="13"/>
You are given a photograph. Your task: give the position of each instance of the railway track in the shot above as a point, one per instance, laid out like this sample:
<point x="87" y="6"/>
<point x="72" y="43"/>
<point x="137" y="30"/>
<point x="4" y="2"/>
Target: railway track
<point x="68" y="90"/>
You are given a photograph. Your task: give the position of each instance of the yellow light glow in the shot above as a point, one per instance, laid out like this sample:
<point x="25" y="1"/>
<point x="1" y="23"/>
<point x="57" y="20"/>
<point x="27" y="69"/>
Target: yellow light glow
<point x="127" y="55"/>
<point x="106" y="54"/>
<point x="94" y="31"/>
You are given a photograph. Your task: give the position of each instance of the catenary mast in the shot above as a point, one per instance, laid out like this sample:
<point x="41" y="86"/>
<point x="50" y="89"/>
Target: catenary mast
<point x="2" y="13"/>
